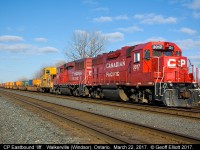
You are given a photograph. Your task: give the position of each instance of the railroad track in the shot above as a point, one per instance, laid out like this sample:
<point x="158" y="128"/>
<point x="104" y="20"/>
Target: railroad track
<point x="181" y="112"/>
<point x="109" y="129"/>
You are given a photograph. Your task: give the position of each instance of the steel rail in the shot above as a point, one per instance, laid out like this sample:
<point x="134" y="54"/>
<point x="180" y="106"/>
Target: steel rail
<point x="186" y="113"/>
<point x="177" y="136"/>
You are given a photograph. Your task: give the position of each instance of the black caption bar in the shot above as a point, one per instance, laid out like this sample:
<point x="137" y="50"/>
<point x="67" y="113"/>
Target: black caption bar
<point x="102" y="146"/>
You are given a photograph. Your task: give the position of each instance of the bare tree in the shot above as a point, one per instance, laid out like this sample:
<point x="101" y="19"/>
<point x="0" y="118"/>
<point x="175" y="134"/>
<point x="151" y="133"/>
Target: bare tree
<point x="59" y="63"/>
<point x="85" y="44"/>
<point x="38" y="73"/>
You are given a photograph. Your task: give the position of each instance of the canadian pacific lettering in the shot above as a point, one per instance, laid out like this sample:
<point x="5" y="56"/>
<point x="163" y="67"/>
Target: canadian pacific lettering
<point x="115" y="64"/>
<point x="136" y="67"/>
<point x="112" y="74"/>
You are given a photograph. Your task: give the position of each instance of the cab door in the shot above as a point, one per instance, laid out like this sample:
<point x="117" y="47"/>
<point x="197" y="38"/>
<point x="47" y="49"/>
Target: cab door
<point x="147" y="61"/>
<point x="136" y="67"/>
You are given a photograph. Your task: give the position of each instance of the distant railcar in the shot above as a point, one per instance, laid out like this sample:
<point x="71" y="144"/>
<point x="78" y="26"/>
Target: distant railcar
<point x="2" y="85"/>
<point x="9" y="85"/>
<point x="23" y="85"/>
<point x="34" y="85"/>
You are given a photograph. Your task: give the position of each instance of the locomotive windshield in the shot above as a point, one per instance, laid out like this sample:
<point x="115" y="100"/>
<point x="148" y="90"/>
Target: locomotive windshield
<point x="178" y="53"/>
<point x="159" y="53"/>
<point x="161" y="50"/>
<point x="167" y="53"/>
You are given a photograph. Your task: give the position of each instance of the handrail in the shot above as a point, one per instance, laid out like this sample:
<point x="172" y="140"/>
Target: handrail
<point x="197" y="75"/>
<point x="157" y="75"/>
<point x="162" y="79"/>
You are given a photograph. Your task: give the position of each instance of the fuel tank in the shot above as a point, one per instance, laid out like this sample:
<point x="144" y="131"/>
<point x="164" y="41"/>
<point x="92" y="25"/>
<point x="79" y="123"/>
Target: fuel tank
<point x="65" y="91"/>
<point x="115" y="94"/>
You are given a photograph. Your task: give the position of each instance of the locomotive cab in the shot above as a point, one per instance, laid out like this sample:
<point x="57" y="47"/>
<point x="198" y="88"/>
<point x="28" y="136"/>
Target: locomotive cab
<point x="47" y="78"/>
<point x="175" y="85"/>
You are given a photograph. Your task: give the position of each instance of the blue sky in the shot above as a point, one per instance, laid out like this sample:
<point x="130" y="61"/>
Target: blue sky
<point x="35" y="33"/>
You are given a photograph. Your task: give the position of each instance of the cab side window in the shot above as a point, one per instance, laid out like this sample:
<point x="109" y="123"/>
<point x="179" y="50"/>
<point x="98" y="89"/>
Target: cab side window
<point x="147" y="54"/>
<point x="61" y="70"/>
<point x="137" y="57"/>
<point x="47" y="71"/>
<point x="178" y="53"/>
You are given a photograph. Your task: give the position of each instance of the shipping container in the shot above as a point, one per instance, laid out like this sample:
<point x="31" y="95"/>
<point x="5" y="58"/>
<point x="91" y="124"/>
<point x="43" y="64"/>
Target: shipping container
<point x="30" y="82"/>
<point x="9" y="85"/>
<point x="2" y="85"/>
<point x="37" y="82"/>
<point x="15" y="86"/>
<point x="25" y="83"/>
<point x="19" y="83"/>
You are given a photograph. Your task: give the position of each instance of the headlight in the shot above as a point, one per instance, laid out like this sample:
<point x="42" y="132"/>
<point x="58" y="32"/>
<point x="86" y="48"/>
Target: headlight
<point x="170" y="85"/>
<point x="195" y="85"/>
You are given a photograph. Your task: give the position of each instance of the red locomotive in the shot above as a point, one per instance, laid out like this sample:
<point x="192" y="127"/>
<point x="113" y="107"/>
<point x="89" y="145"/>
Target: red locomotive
<point x="72" y="77"/>
<point x="146" y="73"/>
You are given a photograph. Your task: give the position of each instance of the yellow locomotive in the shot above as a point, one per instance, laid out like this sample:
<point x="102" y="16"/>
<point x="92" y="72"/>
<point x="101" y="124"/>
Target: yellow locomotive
<point x="49" y="74"/>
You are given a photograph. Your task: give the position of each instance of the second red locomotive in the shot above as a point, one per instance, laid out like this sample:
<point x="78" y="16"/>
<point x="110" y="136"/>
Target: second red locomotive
<point x="73" y="77"/>
<point x="146" y="73"/>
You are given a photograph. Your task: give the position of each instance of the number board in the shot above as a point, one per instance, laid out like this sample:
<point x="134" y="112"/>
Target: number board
<point x="171" y="47"/>
<point x="157" y="46"/>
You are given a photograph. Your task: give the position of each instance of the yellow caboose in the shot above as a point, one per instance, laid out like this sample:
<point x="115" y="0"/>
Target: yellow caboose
<point x="47" y="78"/>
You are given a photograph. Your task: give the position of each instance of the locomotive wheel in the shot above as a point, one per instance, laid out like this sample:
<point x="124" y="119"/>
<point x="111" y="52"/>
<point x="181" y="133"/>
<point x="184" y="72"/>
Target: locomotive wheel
<point x="42" y="90"/>
<point x="134" y="98"/>
<point x="76" y="92"/>
<point x="94" y="94"/>
<point x="58" y="92"/>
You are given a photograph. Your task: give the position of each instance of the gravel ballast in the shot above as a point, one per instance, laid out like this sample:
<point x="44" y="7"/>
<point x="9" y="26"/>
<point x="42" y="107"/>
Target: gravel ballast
<point x="19" y="126"/>
<point x="176" y="124"/>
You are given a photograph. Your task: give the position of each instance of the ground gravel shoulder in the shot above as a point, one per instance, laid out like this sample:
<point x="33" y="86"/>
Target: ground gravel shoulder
<point x="172" y="123"/>
<point x="19" y="126"/>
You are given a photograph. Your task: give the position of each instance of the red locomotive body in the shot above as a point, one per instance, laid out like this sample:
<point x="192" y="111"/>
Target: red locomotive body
<point x="154" y="71"/>
<point x="72" y="77"/>
<point x="146" y="73"/>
